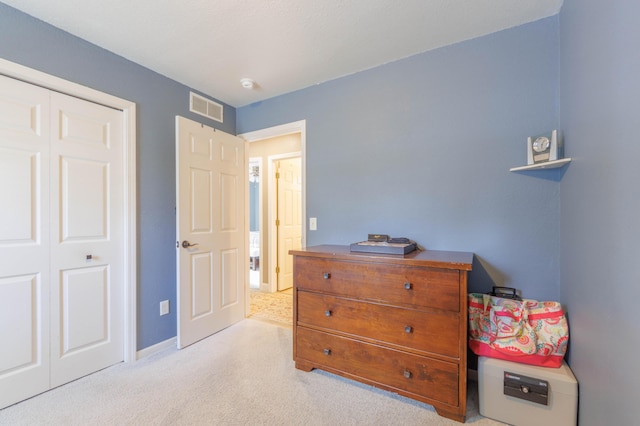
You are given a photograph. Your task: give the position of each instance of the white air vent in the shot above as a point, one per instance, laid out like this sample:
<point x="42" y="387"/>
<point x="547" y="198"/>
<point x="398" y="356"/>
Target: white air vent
<point x="206" y="107"/>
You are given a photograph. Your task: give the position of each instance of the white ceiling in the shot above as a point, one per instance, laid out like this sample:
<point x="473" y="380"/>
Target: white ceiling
<point x="284" y="45"/>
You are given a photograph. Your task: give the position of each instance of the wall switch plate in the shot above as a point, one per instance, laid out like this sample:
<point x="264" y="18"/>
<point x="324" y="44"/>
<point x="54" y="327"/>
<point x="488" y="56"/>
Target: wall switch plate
<point x="313" y="224"/>
<point x="164" y="307"/>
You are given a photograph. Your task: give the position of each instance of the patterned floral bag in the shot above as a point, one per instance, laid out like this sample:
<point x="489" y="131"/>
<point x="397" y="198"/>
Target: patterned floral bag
<point x="525" y="331"/>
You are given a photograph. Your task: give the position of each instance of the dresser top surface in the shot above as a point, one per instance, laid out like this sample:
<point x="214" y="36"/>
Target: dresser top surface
<point x="433" y="258"/>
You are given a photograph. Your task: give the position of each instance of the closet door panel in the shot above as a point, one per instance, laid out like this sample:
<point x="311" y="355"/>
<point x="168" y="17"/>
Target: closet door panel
<point x="87" y="263"/>
<point x="84" y="199"/>
<point x="24" y="240"/>
<point x="85" y="308"/>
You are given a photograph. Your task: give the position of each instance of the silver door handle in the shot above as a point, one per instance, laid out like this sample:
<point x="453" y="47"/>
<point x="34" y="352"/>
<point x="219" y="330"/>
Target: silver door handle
<point x="187" y="244"/>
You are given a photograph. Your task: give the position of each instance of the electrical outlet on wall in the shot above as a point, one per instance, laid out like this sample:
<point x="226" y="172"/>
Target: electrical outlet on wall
<point x="313" y="223"/>
<point x="164" y="307"/>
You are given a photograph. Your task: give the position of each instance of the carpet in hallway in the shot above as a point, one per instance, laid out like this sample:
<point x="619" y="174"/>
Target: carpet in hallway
<point x="272" y="307"/>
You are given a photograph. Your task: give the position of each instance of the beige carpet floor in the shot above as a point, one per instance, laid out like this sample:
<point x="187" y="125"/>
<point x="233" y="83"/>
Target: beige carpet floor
<point x="276" y="308"/>
<point x="243" y="375"/>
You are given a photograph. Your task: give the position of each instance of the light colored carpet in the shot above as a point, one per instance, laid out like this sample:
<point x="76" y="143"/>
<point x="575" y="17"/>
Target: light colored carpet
<point x="243" y="375"/>
<point x="272" y="307"/>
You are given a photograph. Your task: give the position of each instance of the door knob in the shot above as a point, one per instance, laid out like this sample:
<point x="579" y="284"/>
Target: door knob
<point x="187" y="244"/>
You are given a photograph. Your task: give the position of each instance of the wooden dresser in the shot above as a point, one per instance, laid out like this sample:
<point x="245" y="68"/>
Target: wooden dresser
<point x="395" y="322"/>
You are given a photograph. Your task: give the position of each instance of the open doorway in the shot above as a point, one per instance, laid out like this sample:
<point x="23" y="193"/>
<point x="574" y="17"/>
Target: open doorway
<point x="268" y="150"/>
<point x="255" y="222"/>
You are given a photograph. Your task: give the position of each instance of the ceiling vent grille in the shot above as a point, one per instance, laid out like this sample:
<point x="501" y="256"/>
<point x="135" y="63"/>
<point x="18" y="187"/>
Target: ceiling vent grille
<point x="206" y="107"/>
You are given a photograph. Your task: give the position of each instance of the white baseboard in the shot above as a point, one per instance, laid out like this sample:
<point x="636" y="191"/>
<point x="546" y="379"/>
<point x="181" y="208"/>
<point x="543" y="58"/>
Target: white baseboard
<point x="169" y="343"/>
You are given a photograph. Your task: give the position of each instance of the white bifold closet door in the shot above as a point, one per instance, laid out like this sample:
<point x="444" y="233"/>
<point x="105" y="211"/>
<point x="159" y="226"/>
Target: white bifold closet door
<point x="61" y="239"/>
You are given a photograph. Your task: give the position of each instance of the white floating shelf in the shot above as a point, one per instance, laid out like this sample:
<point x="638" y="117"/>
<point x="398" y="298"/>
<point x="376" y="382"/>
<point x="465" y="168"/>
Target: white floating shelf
<point x="547" y="165"/>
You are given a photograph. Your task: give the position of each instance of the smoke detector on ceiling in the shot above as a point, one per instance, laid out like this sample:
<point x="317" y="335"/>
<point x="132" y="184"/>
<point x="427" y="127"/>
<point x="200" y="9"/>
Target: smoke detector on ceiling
<point x="247" y="83"/>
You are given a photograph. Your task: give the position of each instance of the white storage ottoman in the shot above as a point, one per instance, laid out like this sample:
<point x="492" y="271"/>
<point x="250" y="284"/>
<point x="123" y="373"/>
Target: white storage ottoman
<point x="522" y="395"/>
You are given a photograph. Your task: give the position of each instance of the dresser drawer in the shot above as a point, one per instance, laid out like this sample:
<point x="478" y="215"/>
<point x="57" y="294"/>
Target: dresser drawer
<point x="435" y="332"/>
<point x="414" y="374"/>
<point x="395" y="284"/>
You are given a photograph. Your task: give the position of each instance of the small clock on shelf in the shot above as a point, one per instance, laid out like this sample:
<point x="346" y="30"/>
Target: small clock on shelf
<point x="543" y="148"/>
<point x="543" y="152"/>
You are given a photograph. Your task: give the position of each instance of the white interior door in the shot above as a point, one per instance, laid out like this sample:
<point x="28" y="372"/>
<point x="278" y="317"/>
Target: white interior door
<point x="61" y="186"/>
<point x="289" y="182"/>
<point x="212" y="178"/>
<point x="24" y="241"/>
<point x="87" y="271"/>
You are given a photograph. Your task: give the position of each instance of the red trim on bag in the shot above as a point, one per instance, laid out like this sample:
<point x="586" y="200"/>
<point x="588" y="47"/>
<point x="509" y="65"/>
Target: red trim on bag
<point x="509" y="314"/>
<point x="546" y="315"/>
<point x="476" y="304"/>
<point x="551" y="361"/>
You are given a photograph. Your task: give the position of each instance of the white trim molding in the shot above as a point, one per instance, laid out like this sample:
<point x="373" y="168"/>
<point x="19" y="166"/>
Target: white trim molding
<point x="158" y="347"/>
<point x="281" y="130"/>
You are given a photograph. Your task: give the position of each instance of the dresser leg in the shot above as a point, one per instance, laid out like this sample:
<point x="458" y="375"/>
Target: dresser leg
<point x="451" y="415"/>
<point x="304" y="365"/>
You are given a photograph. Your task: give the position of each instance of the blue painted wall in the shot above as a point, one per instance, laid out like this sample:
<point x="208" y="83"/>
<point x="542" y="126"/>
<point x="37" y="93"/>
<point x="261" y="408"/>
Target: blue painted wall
<point x="600" y="204"/>
<point x="35" y="44"/>
<point x="422" y="148"/>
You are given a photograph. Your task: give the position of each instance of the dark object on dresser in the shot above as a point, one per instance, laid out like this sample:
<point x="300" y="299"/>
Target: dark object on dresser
<point x="383" y="248"/>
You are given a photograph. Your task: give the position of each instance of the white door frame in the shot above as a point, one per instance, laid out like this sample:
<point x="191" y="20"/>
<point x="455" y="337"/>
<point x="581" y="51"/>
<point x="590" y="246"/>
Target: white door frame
<point x="128" y="108"/>
<point x="282" y="130"/>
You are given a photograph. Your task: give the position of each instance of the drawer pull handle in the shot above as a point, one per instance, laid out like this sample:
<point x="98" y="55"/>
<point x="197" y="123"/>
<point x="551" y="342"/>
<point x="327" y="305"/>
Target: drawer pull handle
<point x="408" y="329"/>
<point x="407" y="374"/>
<point x="327" y="352"/>
<point x="327" y="313"/>
<point x="408" y="285"/>
<point x="326" y="275"/>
